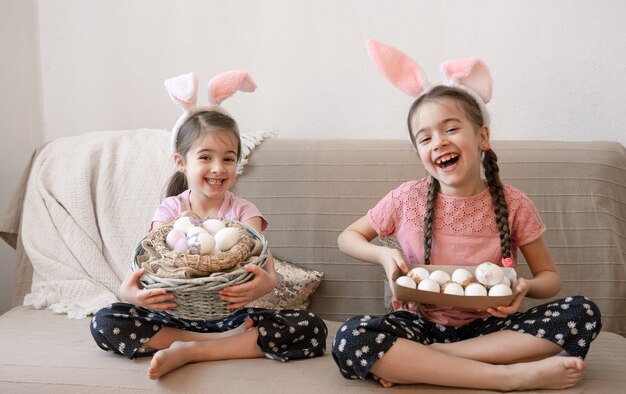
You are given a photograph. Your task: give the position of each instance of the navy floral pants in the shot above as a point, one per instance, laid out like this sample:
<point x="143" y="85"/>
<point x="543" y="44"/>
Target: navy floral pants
<point x="283" y="334"/>
<point x="571" y="323"/>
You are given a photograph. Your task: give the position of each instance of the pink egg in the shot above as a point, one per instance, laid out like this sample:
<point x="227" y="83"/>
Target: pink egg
<point x="172" y="238"/>
<point x="181" y="245"/>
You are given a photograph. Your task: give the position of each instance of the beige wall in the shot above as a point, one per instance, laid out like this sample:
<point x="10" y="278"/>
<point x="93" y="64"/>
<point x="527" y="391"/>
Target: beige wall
<point x="20" y="112"/>
<point x="559" y="66"/>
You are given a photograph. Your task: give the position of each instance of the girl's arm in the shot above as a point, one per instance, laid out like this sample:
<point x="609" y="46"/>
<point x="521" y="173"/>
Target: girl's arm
<point x="263" y="282"/>
<point x="355" y="241"/>
<point x="546" y="281"/>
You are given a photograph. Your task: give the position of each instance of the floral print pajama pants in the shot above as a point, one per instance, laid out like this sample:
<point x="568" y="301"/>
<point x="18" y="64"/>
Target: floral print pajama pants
<point x="571" y="323"/>
<point x="283" y="334"/>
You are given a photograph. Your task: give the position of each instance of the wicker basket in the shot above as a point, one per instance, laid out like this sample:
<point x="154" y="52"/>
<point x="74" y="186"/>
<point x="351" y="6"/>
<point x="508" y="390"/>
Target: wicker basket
<point x="198" y="298"/>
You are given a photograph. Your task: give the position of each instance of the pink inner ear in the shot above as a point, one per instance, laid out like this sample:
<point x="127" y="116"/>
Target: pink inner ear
<point x="398" y="68"/>
<point x="226" y="84"/>
<point x="470" y="72"/>
<point x="183" y="89"/>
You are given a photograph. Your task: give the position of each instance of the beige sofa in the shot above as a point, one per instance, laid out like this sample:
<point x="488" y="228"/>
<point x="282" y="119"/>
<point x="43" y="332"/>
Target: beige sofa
<point x="309" y="190"/>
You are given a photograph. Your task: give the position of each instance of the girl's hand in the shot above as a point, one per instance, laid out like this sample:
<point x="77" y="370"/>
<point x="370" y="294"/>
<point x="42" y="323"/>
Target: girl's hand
<point x="241" y="295"/>
<point x="504" y="311"/>
<point x="392" y="261"/>
<point x="158" y="299"/>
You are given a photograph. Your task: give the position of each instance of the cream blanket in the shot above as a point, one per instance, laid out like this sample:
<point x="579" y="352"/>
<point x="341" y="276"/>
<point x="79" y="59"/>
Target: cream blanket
<point x="88" y="202"/>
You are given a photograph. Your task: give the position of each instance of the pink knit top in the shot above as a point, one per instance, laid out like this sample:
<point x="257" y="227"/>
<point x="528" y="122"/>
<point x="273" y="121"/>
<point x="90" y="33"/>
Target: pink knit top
<point x="464" y="233"/>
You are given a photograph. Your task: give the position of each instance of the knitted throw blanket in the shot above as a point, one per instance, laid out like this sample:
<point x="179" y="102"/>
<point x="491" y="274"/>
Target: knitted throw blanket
<point x="89" y="201"/>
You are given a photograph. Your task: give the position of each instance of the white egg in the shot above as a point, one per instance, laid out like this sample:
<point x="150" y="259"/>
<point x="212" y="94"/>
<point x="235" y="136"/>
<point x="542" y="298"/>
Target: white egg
<point x="500" y="290"/>
<point x="462" y="276"/>
<point x="173" y="237"/>
<point x="226" y="238"/>
<point x="184" y="224"/>
<point x="453" y="288"/>
<point x="406" y="282"/>
<point x="510" y="273"/>
<point x="213" y="225"/>
<point x="429" y="285"/>
<point x="489" y="274"/>
<point x="475" y="289"/>
<point x="418" y="274"/>
<point x="439" y="276"/>
<point x="201" y="243"/>
<point x="195" y="230"/>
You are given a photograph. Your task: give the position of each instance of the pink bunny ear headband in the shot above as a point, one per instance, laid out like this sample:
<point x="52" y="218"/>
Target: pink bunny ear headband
<point x="468" y="74"/>
<point x="183" y="90"/>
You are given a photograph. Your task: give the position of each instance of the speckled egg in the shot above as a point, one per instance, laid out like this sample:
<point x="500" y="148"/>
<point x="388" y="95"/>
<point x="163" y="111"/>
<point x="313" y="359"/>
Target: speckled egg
<point x="418" y="274"/>
<point x="452" y="288"/>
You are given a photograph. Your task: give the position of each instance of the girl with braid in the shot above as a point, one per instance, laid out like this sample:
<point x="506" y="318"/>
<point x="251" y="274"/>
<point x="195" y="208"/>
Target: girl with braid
<point x="455" y="216"/>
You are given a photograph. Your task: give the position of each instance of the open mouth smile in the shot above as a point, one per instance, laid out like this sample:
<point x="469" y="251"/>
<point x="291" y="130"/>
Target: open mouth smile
<point x="447" y="160"/>
<point x="215" y="181"/>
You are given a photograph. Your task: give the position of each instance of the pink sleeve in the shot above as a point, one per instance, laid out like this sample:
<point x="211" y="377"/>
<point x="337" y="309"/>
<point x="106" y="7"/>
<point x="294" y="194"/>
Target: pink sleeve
<point x="247" y="210"/>
<point x="169" y="210"/>
<point x="383" y="217"/>
<point x="526" y="224"/>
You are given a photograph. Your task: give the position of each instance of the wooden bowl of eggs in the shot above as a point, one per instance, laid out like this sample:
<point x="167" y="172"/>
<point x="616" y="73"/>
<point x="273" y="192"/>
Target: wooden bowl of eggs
<point x="483" y="286"/>
<point x="195" y="258"/>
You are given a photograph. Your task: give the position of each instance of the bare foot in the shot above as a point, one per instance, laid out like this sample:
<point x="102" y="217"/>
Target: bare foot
<point x="385" y="383"/>
<point x="167" y="360"/>
<point x="555" y="373"/>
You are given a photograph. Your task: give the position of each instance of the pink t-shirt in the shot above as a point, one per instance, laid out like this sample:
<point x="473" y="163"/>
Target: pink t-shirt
<point x="232" y="208"/>
<point x="464" y="233"/>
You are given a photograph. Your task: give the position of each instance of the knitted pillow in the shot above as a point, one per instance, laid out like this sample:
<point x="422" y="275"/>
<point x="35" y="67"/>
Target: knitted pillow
<point x="294" y="287"/>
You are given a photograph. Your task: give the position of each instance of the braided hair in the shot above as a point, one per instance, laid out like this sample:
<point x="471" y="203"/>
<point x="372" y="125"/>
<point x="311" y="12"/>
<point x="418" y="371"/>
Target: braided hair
<point x="490" y="164"/>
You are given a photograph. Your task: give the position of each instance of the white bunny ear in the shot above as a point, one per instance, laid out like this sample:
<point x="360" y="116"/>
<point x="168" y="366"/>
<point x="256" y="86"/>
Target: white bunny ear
<point x="469" y="72"/>
<point x="224" y="85"/>
<point x="183" y="90"/>
<point x="402" y="71"/>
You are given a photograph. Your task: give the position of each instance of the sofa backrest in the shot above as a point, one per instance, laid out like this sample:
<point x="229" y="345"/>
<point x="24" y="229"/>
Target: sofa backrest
<point x="311" y="190"/>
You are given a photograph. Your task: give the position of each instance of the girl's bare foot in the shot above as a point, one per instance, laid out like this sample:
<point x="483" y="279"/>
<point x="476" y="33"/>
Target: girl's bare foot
<point x="555" y="373"/>
<point x="167" y="360"/>
<point x="385" y="383"/>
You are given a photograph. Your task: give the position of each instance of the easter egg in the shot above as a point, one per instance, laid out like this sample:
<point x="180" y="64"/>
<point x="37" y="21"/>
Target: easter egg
<point x="201" y="243"/>
<point x="195" y="230"/>
<point x="489" y="274"/>
<point x="213" y="225"/>
<point x="181" y="245"/>
<point x="226" y="238"/>
<point x="184" y="224"/>
<point x="172" y="238"/>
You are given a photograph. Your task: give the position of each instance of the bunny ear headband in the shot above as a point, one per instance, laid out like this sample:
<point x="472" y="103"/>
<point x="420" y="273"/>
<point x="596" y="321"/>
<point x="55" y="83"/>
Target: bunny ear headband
<point x="468" y="74"/>
<point x="183" y="90"/>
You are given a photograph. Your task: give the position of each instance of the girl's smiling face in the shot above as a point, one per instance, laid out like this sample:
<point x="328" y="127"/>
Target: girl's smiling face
<point x="449" y="146"/>
<point x="210" y="168"/>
